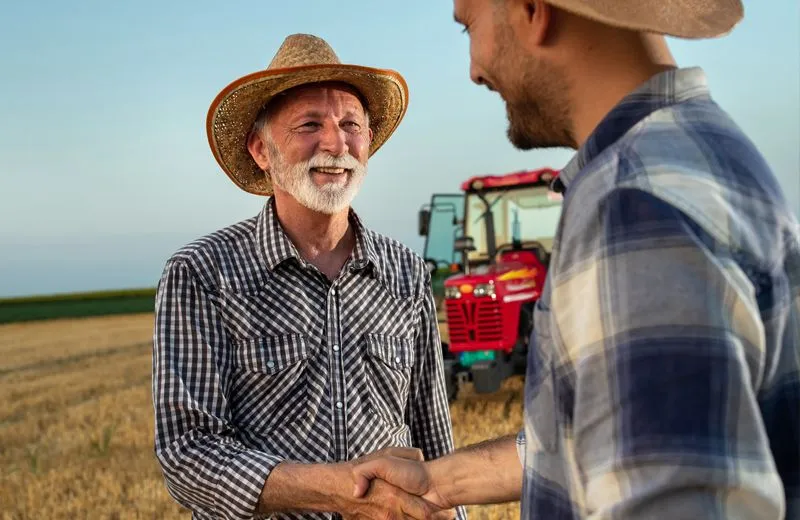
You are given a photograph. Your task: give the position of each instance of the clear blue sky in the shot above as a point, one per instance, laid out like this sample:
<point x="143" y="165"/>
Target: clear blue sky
<point x="104" y="164"/>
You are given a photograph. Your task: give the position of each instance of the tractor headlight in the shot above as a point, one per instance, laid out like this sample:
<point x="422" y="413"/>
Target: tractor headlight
<point x="484" y="289"/>
<point x="451" y="292"/>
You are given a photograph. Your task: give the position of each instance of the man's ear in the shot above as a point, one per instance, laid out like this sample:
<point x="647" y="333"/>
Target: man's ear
<point x="532" y="21"/>
<point x="258" y="150"/>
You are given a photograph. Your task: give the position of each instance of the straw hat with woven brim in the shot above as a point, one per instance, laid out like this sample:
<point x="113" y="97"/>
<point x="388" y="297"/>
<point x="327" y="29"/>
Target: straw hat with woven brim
<point x="301" y="59"/>
<point x="690" y="19"/>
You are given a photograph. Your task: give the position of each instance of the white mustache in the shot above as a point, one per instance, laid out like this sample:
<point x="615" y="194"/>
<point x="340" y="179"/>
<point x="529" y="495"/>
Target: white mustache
<point x="328" y="161"/>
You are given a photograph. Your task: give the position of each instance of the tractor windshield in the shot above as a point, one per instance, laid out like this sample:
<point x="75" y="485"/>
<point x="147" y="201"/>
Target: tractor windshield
<point x="529" y="213"/>
<point x="447" y="210"/>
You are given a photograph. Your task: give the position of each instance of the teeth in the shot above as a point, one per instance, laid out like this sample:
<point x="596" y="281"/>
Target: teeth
<point x="335" y="171"/>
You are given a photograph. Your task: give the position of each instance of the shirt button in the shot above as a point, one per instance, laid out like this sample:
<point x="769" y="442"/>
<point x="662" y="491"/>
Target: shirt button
<point x="339" y="405"/>
<point x="357" y="265"/>
<point x="271" y="364"/>
<point x="336" y="348"/>
<point x="397" y="360"/>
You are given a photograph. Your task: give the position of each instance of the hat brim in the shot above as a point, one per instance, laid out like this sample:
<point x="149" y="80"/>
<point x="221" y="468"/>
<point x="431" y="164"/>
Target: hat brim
<point x="687" y="20"/>
<point x="234" y="110"/>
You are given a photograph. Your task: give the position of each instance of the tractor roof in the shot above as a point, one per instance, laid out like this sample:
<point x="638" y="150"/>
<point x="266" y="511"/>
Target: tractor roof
<point x="487" y="182"/>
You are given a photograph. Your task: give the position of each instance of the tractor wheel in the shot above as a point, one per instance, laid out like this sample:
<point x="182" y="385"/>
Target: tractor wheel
<point x="446" y="354"/>
<point x="520" y="353"/>
<point x="450" y="377"/>
<point x="452" y="388"/>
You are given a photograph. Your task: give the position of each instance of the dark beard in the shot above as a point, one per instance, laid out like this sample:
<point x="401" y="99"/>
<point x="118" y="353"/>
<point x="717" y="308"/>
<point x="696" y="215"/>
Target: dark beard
<point x="536" y="95"/>
<point x="530" y="127"/>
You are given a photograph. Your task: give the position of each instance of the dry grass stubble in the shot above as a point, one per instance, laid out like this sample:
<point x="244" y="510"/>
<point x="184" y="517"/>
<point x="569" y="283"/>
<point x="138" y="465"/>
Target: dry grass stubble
<point x="76" y="426"/>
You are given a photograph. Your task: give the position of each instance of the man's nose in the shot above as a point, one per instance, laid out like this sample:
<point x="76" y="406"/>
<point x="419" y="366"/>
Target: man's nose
<point x="333" y="140"/>
<point x="475" y="74"/>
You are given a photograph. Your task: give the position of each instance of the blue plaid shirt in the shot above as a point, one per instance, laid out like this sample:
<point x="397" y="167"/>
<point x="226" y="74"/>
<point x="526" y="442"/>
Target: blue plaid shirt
<point x="664" y="381"/>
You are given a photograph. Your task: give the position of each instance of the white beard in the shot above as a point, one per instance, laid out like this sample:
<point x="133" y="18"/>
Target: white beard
<point x="296" y="180"/>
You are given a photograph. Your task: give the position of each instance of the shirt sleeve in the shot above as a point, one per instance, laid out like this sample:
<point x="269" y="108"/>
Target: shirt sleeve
<point x="431" y="425"/>
<point x="205" y="467"/>
<point x="661" y="330"/>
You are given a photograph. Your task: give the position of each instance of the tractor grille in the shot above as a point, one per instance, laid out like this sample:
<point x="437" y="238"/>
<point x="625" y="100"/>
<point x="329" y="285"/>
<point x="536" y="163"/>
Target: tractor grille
<point x="474" y="321"/>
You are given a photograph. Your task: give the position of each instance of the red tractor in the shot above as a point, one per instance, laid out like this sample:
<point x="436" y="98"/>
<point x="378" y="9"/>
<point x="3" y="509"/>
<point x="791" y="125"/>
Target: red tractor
<point x="488" y="250"/>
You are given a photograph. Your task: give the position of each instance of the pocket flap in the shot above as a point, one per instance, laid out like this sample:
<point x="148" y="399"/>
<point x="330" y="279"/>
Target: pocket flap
<point x="271" y="354"/>
<point x="395" y="351"/>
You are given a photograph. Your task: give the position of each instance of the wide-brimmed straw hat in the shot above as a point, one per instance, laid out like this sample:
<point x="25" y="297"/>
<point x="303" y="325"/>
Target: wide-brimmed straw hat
<point x="690" y="19"/>
<point x="301" y="59"/>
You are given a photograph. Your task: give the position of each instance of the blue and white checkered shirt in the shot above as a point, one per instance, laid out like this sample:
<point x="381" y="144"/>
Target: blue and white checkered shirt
<point x="665" y="377"/>
<point x="258" y="359"/>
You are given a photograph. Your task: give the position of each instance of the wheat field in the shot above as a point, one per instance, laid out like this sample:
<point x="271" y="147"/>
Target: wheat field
<point x="76" y="426"/>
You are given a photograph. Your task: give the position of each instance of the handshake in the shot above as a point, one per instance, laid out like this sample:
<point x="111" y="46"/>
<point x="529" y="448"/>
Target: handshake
<point x="396" y="483"/>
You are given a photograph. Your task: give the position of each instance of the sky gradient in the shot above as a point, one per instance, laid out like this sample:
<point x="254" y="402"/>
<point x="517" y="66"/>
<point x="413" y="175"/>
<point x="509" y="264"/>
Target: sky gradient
<point x="105" y="168"/>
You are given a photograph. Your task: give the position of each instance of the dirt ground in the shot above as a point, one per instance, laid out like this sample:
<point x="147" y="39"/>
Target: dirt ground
<point x="76" y="426"/>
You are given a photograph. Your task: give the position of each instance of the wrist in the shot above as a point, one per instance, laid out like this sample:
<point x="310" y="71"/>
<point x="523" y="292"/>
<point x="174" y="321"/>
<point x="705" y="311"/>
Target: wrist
<point x="306" y="487"/>
<point x="340" y="484"/>
<point x="442" y="481"/>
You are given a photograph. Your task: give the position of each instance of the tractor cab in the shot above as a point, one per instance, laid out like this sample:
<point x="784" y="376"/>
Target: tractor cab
<point x="489" y="257"/>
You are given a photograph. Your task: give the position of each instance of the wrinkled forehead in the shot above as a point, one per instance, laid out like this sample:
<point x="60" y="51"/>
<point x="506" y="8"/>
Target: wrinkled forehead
<point x="319" y="95"/>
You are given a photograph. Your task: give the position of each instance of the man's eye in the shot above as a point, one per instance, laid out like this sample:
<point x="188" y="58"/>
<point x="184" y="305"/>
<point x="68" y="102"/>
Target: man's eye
<point x="351" y="124"/>
<point x="311" y="124"/>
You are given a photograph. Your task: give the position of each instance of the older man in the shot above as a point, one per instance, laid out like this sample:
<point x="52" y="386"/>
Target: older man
<point x="664" y="378"/>
<point x="294" y="342"/>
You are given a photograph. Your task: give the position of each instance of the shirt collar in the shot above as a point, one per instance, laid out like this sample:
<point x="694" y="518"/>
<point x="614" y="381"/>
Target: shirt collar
<point x="273" y="243"/>
<point x="275" y="247"/>
<point x="662" y="90"/>
<point x="364" y="254"/>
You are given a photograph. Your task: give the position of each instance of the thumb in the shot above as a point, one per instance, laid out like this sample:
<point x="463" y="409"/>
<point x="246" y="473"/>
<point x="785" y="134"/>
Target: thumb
<point x="409" y="475"/>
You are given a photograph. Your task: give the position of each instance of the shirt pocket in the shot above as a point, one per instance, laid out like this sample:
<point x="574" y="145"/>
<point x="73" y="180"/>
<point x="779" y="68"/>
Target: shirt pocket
<point x="388" y="365"/>
<point x="541" y="419"/>
<point x="270" y="382"/>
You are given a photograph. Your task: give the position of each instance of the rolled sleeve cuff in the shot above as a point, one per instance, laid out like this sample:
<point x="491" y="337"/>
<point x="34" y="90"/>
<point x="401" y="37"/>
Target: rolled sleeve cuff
<point x="521" y="446"/>
<point x="240" y="484"/>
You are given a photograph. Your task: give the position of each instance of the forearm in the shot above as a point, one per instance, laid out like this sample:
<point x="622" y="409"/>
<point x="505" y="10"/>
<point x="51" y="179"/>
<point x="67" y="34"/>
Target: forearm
<point x="294" y="487"/>
<point x="208" y="472"/>
<point x="486" y="473"/>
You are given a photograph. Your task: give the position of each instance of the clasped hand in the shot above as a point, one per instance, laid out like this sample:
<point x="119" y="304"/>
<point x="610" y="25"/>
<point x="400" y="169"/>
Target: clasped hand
<point x="394" y="484"/>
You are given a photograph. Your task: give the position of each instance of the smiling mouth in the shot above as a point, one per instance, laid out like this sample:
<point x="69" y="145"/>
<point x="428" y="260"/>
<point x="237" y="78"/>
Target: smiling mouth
<point x="331" y="171"/>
